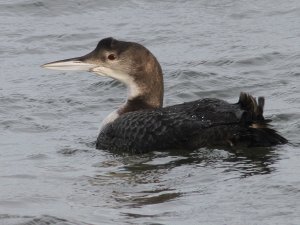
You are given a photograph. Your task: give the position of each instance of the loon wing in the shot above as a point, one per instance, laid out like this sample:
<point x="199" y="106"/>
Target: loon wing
<point x="179" y="126"/>
<point x="206" y="122"/>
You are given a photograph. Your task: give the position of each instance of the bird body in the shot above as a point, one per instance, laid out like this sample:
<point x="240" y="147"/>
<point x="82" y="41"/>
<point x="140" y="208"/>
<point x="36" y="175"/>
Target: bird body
<point x="202" y="123"/>
<point x="143" y="125"/>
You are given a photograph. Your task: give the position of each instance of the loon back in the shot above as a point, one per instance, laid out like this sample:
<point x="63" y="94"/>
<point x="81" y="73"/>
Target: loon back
<point x="205" y="122"/>
<point x="142" y="125"/>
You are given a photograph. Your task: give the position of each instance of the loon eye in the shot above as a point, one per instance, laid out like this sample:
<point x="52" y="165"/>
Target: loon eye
<point x="111" y="57"/>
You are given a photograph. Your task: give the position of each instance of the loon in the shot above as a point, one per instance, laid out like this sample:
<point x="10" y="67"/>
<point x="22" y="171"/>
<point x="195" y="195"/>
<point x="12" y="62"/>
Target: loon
<point x="142" y="124"/>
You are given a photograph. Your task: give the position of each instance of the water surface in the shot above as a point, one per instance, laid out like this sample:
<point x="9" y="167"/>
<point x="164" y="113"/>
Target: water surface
<point x="50" y="172"/>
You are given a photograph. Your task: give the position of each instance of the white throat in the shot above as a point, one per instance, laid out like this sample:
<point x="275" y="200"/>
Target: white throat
<point x="132" y="87"/>
<point x="109" y="119"/>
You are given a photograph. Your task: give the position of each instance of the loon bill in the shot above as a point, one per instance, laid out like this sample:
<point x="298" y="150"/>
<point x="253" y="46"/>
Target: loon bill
<point x="142" y="124"/>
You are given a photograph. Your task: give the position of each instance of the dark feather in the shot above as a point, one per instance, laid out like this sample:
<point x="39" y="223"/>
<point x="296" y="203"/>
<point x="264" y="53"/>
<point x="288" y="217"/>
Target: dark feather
<point x="206" y="122"/>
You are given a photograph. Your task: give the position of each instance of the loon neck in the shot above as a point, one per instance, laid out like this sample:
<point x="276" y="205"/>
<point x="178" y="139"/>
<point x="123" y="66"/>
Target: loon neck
<point x="137" y="100"/>
<point x="145" y="90"/>
<point x="144" y="84"/>
<point x="137" y="103"/>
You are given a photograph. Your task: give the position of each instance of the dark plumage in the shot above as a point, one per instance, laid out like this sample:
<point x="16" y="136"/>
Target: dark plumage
<point x="142" y="125"/>
<point x="205" y="122"/>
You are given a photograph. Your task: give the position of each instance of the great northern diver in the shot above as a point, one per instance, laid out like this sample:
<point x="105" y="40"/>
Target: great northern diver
<point x="142" y="124"/>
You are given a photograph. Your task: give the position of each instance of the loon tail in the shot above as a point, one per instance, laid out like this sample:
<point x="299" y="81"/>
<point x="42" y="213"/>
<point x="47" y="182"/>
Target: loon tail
<point x="253" y="109"/>
<point x="259" y="133"/>
<point x="264" y="137"/>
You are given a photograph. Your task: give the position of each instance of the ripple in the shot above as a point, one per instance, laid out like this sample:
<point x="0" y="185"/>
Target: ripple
<point x="50" y="220"/>
<point x="50" y="172"/>
<point x="261" y="60"/>
<point x="71" y="151"/>
<point x="143" y="200"/>
<point x="21" y="176"/>
<point x="10" y="219"/>
<point x="38" y="156"/>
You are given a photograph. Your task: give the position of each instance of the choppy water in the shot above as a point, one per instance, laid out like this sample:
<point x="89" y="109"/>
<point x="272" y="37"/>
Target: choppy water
<point x="50" y="172"/>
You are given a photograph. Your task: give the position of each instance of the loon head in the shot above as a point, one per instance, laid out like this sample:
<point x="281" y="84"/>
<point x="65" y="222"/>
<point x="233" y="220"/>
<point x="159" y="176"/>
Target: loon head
<point x="128" y="62"/>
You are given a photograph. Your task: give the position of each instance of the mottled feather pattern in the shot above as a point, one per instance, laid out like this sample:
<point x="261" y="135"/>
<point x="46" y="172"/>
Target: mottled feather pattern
<point x="169" y="127"/>
<point x="205" y="122"/>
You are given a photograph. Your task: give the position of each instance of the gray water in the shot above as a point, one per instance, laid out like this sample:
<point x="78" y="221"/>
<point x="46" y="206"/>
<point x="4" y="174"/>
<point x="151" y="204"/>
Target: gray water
<point x="50" y="172"/>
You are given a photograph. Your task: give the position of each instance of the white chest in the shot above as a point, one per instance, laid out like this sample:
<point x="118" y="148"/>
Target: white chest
<point x="109" y="119"/>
